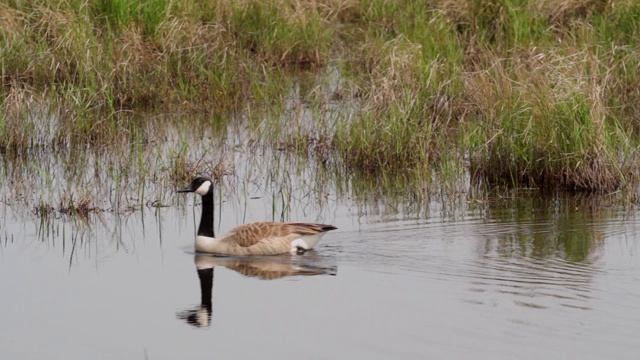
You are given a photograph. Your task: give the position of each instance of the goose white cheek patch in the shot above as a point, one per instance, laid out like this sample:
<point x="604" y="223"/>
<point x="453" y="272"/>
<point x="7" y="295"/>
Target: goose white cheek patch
<point x="203" y="189"/>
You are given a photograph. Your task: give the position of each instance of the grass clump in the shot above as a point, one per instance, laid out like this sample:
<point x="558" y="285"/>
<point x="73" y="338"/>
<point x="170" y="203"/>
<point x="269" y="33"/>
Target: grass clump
<point x="81" y="206"/>
<point x="393" y="138"/>
<point x="280" y="32"/>
<point x="121" y="14"/>
<point x="548" y="126"/>
<point x="407" y="90"/>
<point x="529" y="91"/>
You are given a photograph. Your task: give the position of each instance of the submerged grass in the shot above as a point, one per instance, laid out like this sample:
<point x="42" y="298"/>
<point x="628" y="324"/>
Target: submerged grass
<point x="538" y="94"/>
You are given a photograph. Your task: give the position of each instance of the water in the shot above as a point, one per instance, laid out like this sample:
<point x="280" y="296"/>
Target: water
<point x="411" y="272"/>
<point x="524" y="277"/>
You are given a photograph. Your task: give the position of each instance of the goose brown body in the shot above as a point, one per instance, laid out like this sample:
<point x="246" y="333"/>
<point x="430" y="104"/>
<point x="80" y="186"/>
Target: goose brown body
<point x="258" y="238"/>
<point x="264" y="238"/>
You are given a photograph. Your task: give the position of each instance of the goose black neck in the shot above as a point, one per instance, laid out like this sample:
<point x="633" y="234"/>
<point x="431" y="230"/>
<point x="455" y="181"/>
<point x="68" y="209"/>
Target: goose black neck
<point x="206" y="219"/>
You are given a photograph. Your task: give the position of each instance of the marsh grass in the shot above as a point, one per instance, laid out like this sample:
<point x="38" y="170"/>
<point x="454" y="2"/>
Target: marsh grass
<point x="539" y="104"/>
<point x="120" y="14"/>
<point x="452" y="96"/>
<point x="129" y="54"/>
<point x="44" y="210"/>
<point x="280" y="32"/>
<point x="82" y="205"/>
<point x="542" y="126"/>
<point x="400" y="119"/>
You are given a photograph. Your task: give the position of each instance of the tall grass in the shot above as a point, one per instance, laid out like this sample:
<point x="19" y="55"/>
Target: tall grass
<point x="548" y="126"/>
<point x="523" y="93"/>
<point x="533" y="95"/>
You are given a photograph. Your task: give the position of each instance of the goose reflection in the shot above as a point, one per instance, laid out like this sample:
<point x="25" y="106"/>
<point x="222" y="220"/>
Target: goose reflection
<point x="264" y="268"/>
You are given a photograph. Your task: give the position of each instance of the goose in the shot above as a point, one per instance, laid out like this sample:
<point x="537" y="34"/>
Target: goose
<point x="258" y="238"/>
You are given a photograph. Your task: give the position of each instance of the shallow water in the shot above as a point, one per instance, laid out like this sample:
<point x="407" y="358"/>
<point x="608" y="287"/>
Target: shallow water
<point x="525" y="277"/>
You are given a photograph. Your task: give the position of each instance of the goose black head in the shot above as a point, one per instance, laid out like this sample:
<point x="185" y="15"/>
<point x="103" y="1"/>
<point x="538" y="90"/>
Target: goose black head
<point x="200" y="185"/>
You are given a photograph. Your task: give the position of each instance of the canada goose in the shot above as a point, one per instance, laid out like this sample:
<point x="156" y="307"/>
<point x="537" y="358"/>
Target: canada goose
<point x="258" y="238"/>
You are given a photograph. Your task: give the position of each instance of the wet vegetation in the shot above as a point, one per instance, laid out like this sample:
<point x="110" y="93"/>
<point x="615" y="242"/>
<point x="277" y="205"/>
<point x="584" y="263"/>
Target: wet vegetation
<point x="108" y="105"/>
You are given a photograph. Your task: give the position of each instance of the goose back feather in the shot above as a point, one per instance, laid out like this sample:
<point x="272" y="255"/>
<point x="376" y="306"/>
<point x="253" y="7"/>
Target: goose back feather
<point x="264" y="238"/>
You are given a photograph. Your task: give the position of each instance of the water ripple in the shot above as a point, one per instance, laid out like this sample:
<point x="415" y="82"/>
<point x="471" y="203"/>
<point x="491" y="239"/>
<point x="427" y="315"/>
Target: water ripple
<point x="534" y="263"/>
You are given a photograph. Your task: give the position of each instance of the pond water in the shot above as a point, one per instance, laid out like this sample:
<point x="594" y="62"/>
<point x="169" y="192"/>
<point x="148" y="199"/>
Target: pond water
<point x="525" y="277"/>
<point x="412" y="272"/>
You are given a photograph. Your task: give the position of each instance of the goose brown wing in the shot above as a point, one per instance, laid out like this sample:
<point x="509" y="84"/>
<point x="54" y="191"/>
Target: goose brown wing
<point x="251" y="234"/>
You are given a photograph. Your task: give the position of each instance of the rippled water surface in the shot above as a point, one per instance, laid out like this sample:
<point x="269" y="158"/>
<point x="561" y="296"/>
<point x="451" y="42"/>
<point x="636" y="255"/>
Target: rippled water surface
<point x="525" y="277"/>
